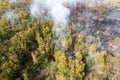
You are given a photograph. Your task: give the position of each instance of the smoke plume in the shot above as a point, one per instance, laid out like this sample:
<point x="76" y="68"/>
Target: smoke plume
<point x="59" y="10"/>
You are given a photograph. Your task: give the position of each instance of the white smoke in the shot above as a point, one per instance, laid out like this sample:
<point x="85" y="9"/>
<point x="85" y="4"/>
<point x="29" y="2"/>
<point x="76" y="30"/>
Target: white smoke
<point x="62" y="14"/>
<point x="10" y="15"/>
<point x="59" y="10"/>
<point x="12" y="1"/>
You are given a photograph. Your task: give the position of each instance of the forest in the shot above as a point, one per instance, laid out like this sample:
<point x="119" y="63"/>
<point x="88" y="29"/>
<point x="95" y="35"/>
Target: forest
<point x="32" y="48"/>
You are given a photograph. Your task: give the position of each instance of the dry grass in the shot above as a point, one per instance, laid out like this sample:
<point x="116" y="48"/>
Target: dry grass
<point x="115" y="41"/>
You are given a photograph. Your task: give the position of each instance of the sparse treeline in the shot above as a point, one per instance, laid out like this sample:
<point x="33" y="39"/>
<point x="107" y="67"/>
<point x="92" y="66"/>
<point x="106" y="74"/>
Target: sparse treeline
<point x="28" y="50"/>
